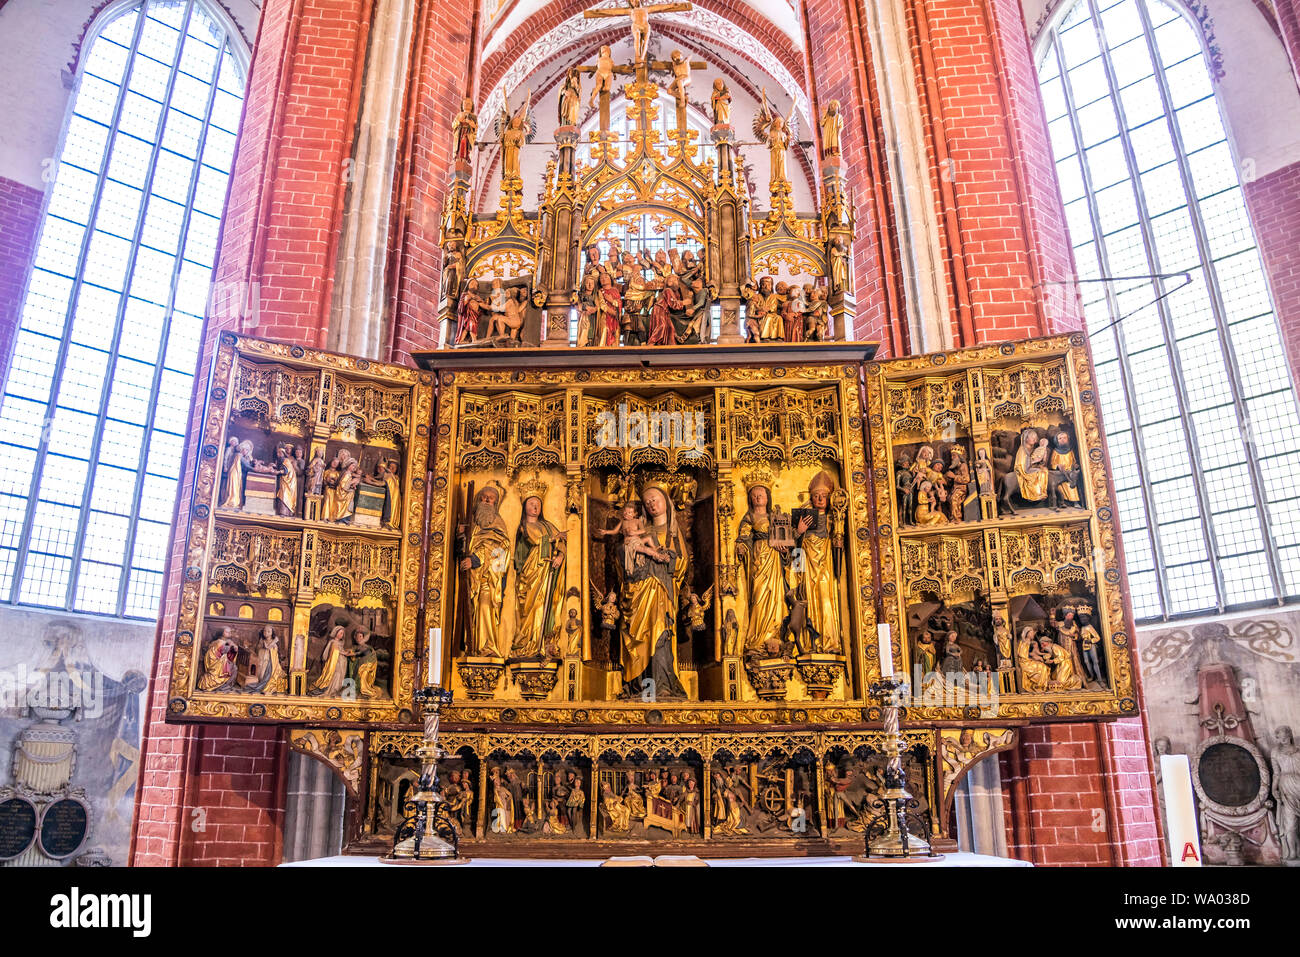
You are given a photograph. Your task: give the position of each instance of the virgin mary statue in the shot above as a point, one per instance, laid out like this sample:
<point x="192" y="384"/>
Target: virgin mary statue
<point x="652" y="581"/>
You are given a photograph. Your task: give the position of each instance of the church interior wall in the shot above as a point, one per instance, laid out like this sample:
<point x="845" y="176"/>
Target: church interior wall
<point x="94" y="669"/>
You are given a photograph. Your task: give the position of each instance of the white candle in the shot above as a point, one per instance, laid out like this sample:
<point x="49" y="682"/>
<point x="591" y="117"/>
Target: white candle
<point x="434" y="652"/>
<point x="1180" y="811"/>
<point x="886" y="650"/>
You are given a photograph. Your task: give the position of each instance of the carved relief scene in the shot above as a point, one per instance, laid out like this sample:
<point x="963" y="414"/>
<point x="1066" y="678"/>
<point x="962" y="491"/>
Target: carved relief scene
<point x="999" y="523"/>
<point x="298" y="555"/>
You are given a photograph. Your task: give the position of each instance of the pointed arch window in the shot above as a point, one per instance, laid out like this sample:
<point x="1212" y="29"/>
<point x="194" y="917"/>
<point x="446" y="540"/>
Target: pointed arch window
<point x="96" y="402"/>
<point x="1197" y="398"/>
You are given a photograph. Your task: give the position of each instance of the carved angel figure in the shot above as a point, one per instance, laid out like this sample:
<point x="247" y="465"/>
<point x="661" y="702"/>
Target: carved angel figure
<point x="514" y="132"/>
<point x="775" y="131"/>
<point x="696" y="606"/>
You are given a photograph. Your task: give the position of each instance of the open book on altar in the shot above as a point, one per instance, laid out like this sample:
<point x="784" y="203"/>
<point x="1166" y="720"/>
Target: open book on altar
<point x="663" y="860"/>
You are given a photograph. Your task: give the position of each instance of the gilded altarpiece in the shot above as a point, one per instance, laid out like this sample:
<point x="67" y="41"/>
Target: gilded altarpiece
<point x="961" y="498"/>
<point x="299" y="600"/>
<point x="998" y="533"/>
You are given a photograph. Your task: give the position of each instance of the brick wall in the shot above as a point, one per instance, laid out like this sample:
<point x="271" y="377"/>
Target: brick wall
<point x="20" y="214"/>
<point x="1274" y="204"/>
<point x="440" y="74"/>
<point x="1080" y="794"/>
<point x="841" y="69"/>
<point x="993" y="180"/>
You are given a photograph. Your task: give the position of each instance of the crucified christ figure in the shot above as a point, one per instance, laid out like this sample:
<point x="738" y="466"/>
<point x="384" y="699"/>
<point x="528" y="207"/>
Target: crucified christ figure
<point x="639" y="11"/>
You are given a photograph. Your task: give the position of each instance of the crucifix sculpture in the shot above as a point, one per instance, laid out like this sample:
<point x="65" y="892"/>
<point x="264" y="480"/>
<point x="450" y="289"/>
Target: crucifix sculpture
<point x="639" y="12"/>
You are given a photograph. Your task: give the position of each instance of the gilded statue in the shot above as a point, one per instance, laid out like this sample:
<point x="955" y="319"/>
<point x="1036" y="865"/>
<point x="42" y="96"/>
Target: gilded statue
<point x="721" y="102"/>
<point x="652" y="569"/>
<point x="484" y="562"/>
<point x="464" y="131"/>
<point x="1029" y="475"/>
<point x="363" y="665"/>
<point x="316" y="473"/>
<point x="774" y="130"/>
<point x="289" y="468"/>
<point x="1057" y="659"/>
<point x="1034" y="672"/>
<point x="514" y="131"/>
<point x="392" y="483"/>
<point x="1064" y="476"/>
<point x="819" y="581"/>
<point x="238" y="462"/>
<point x="570" y="98"/>
<point x="539" y="555"/>
<point x="617" y="815"/>
<point x="763" y="587"/>
<point x="839" y="256"/>
<point x="503" y="804"/>
<point x="334" y="670"/>
<point x="832" y="129"/>
<point x="219" y="669"/>
<point x="604" y="76"/>
<point x="271" y="678"/>
<point x="639" y="12"/>
<point x="763" y="312"/>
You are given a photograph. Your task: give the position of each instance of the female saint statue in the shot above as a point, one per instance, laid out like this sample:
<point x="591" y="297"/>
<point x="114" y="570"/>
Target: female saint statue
<point x="483" y="560"/>
<point x="286" y="492"/>
<point x="539" y="578"/>
<point x="1034" y="673"/>
<point x="240" y="464"/>
<point x="762" y="576"/>
<point x="570" y="98"/>
<point x="721" y="100"/>
<point x="271" y="678"/>
<point x="334" y="665"/>
<point x="650" y="591"/>
<point x="363" y="665"/>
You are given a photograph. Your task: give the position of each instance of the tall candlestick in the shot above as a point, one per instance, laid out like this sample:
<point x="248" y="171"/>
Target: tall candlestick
<point x="434" y="651"/>
<point x="886" y="647"/>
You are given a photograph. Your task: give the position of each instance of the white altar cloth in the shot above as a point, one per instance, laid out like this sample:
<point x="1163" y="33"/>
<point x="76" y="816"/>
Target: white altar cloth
<point x="959" y="859"/>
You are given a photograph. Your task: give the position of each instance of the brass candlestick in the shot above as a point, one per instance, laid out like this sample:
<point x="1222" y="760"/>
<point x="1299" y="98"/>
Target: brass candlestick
<point x="888" y="837"/>
<point x="427" y="834"/>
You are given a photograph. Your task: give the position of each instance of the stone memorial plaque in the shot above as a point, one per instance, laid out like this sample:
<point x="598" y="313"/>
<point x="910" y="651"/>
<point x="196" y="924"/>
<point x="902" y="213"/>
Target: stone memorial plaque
<point x="17" y="827"/>
<point x="64" y="827"/>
